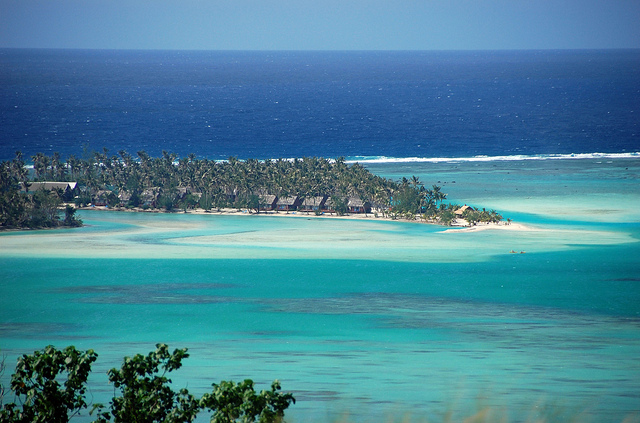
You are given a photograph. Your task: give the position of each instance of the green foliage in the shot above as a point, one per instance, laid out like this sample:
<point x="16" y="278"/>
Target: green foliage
<point x="112" y="199"/>
<point x="50" y="387"/>
<point x="205" y="202"/>
<point x="83" y="199"/>
<point x="188" y="202"/>
<point x="232" y="183"/>
<point x="473" y="215"/>
<point x="145" y="394"/>
<point x="230" y="402"/>
<point x="70" y="218"/>
<point x="224" y="181"/>
<point x="44" y="210"/>
<point x="340" y="205"/>
<point x="446" y="217"/>
<point x="13" y="204"/>
<point x="18" y="209"/>
<point x="134" y="200"/>
<point x="407" y="199"/>
<point x="250" y="201"/>
<point x="166" y="201"/>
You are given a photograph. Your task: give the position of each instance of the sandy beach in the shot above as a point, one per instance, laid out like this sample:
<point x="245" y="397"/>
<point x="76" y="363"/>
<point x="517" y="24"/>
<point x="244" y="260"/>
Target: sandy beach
<point x="463" y="226"/>
<point x="233" y="234"/>
<point x="457" y="225"/>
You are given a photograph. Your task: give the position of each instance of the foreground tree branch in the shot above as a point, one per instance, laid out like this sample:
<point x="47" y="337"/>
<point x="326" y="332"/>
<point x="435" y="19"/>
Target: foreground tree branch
<point x="50" y="387"/>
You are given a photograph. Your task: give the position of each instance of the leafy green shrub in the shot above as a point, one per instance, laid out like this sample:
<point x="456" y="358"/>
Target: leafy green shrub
<point x="50" y="386"/>
<point x="230" y="402"/>
<point x="145" y="394"/>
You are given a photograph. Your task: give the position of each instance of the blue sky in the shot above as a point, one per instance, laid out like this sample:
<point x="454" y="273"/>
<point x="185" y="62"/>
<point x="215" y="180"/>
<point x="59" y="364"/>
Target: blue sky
<point x="320" y="24"/>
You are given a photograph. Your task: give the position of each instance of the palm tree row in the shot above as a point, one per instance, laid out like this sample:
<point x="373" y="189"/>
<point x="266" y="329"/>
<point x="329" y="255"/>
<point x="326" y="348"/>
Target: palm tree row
<point x="123" y="179"/>
<point x="219" y="180"/>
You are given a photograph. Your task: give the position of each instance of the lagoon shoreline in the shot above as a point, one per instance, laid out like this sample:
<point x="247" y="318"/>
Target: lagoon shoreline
<point x="457" y="225"/>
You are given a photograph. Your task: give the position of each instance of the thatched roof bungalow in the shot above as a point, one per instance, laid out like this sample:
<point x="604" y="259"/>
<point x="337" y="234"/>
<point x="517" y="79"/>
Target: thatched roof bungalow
<point x="288" y="203"/>
<point x="357" y="205"/>
<point x="268" y="202"/>
<point x="100" y="198"/>
<point x="64" y="186"/>
<point x="69" y="189"/>
<point x="329" y="205"/>
<point x="313" y="203"/>
<point x="124" y="197"/>
<point x="149" y="196"/>
<point x="182" y="192"/>
<point x="461" y="210"/>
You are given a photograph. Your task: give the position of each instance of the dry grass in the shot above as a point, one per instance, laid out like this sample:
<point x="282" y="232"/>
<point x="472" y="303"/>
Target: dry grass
<point x="539" y="414"/>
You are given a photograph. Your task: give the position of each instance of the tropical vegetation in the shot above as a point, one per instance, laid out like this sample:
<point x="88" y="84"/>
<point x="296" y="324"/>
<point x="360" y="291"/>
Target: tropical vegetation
<point x="50" y="386"/>
<point x="39" y="209"/>
<point x="170" y="183"/>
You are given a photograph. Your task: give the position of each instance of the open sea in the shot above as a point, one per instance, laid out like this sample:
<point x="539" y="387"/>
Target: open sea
<point x="364" y="320"/>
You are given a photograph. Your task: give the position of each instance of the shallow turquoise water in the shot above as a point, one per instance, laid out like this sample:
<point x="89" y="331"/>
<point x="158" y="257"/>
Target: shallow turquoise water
<point x="371" y="330"/>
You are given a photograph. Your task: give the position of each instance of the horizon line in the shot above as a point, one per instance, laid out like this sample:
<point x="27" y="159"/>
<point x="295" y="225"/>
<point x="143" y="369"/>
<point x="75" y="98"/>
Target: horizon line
<point x="564" y="49"/>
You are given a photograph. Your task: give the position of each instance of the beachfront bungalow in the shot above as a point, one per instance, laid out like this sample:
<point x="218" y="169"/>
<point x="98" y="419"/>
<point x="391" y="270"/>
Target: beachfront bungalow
<point x="461" y="210"/>
<point x="288" y="203"/>
<point x="268" y="202"/>
<point x="356" y="205"/>
<point x="329" y="206"/>
<point x="124" y="197"/>
<point x="183" y="192"/>
<point x="313" y="204"/>
<point x="149" y="196"/>
<point x="100" y="198"/>
<point x="69" y="189"/>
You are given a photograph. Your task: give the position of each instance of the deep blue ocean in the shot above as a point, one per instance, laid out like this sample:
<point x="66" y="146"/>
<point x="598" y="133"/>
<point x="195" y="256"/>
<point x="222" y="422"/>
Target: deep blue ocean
<point x="293" y="104"/>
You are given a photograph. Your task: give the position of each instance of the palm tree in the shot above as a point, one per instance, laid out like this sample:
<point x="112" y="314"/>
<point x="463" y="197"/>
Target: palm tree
<point x="415" y="182"/>
<point x="18" y="169"/>
<point x="58" y="171"/>
<point x="39" y="165"/>
<point x="438" y="195"/>
<point x="74" y="165"/>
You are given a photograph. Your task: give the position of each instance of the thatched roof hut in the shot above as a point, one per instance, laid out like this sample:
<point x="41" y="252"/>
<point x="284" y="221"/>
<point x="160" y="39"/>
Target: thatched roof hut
<point x="313" y="203"/>
<point x="461" y="210"/>
<point x="288" y="203"/>
<point x="268" y="201"/>
<point x="357" y="205"/>
<point x="64" y="186"/>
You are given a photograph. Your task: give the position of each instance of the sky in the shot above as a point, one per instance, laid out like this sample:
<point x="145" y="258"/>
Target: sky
<point x="320" y="24"/>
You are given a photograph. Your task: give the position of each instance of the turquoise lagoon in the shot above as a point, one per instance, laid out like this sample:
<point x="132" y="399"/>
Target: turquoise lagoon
<point x="372" y="320"/>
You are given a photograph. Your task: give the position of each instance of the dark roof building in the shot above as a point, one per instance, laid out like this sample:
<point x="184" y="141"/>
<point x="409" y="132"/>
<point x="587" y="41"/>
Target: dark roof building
<point x="288" y="203"/>
<point x="69" y="189"/>
<point x="356" y="205"/>
<point x="313" y="203"/>
<point x="268" y="202"/>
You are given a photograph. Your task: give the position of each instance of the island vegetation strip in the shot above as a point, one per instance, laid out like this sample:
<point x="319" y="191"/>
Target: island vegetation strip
<point x="31" y="199"/>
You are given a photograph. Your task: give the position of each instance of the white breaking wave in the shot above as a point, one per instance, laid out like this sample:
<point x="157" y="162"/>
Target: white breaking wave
<point x="517" y="157"/>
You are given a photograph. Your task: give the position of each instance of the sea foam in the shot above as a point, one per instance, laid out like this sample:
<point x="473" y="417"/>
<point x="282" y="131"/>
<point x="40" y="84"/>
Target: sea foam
<point x="483" y="158"/>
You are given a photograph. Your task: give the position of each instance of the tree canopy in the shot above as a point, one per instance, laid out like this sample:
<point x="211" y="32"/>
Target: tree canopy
<point x="169" y="182"/>
<point x="50" y="386"/>
<point x="38" y="209"/>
